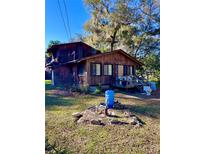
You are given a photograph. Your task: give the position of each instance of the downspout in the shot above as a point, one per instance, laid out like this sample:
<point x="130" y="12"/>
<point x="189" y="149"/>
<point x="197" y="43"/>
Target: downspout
<point x="52" y="79"/>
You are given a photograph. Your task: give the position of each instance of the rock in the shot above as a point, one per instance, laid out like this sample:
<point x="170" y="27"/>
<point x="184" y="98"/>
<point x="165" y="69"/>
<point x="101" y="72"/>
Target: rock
<point x="128" y="114"/>
<point x="77" y="114"/>
<point x="96" y="115"/>
<point x="117" y="122"/>
<point x="136" y="121"/>
<point x="101" y="106"/>
<point x="88" y="115"/>
<point x="101" y="109"/>
<point x="83" y="121"/>
<point x="112" y="121"/>
<point x="140" y="121"/>
<point x="111" y="112"/>
<point x="92" y="108"/>
<point x="96" y="122"/>
<point x="102" y="115"/>
<point x="133" y="121"/>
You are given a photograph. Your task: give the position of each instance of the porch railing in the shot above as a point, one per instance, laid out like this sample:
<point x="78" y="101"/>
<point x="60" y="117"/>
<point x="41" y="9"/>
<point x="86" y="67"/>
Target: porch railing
<point x="128" y="82"/>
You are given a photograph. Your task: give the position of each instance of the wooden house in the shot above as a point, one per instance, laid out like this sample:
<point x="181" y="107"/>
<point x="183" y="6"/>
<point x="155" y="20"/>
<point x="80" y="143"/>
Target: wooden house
<point x="78" y="64"/>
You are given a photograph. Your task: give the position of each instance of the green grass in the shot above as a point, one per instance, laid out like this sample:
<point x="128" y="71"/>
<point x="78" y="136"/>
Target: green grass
<point x="47" y="82"/>
<point x="67" y="135"/>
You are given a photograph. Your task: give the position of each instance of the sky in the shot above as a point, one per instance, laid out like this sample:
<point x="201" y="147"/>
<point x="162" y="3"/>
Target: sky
<point x="54" y="27"/>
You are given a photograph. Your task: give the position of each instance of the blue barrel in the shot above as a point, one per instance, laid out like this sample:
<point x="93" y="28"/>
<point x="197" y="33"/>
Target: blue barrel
<point x="153" y="86"/>
<point x="109" y="98"/>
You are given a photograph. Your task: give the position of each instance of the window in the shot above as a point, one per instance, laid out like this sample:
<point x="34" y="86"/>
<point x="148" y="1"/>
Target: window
<point x="120" y="70"/>
<point x="108" y="69"/>
<point x="96" y="69"/>
<point x="80" y="69"/>
<point x="129" y="70"/>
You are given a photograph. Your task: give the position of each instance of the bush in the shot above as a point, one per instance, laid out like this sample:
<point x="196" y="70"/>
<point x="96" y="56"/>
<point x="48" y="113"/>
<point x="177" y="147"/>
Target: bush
<point x="47" y="81"/>
<point x="98" y="89"/>
<point x="84" y="89"/>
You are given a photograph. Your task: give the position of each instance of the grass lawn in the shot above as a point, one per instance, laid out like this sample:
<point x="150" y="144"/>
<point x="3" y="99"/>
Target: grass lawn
<point x="65" y="135"/>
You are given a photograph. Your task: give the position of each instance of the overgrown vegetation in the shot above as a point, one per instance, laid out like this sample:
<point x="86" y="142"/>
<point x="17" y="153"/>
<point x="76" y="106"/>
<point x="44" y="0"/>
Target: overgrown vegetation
<point x="66" y="136"/>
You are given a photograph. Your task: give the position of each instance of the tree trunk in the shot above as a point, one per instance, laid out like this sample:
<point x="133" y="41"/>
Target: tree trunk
<point x="112" y="45"/>
<point x="113" y="41"/>
<point x="136" y="51"/>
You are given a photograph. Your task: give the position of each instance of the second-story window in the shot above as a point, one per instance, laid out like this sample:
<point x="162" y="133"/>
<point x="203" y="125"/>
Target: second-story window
<point x="107" y="69"/>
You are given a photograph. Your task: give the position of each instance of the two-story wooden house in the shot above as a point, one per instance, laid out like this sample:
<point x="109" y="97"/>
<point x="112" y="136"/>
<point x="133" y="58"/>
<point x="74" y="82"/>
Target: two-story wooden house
<point x="78" y="64"/>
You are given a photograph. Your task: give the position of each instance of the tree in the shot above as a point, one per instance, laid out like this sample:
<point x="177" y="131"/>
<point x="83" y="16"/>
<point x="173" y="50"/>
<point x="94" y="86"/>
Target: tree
<point x="53" y="42"/>
<point x="50" y="44"/>
<point x="151" y="66"/>
<point x="78" y="38"/>
<point x="128" y="24"/>
<point x="148" y="28"/>
<point x="107" y="18"/>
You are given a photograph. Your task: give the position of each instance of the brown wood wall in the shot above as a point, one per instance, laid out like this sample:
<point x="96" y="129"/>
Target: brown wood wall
<point x="67" y="75"/>
<point x="114" y="59"/>
<point x="63" y="76"/>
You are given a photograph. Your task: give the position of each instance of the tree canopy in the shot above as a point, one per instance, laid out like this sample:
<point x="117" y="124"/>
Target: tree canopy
<point x="53" y="42"/>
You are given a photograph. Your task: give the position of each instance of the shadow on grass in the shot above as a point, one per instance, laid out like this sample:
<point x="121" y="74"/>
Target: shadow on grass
<point x="52" y="100"/>
<point x="146" y="110"/>
<point x="155" y="95"/>
<point x="51" y="87"/>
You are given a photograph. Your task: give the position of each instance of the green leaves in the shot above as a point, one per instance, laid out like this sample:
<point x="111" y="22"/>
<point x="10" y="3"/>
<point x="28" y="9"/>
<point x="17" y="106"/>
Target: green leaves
<point x="152" y="65"/>
<point x="123" y="23"/>
<point x="53" y="42"/>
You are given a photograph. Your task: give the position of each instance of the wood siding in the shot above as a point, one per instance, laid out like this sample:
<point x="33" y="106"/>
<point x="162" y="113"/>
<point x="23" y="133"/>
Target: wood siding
<point x="78" y="72"/>
<point x="63" y="76"/>
<point x="114" y="59"/>
<point x="68" y="75"/>
<point x="73" y="51"/>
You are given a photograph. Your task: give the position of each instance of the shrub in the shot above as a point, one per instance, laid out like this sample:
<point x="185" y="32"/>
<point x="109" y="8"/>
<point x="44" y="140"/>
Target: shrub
<point x="98" y="89"/>
<point x="84" y="89"/>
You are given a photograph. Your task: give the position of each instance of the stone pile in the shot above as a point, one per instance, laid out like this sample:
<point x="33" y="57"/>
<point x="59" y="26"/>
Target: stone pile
<point x="96" y="115"/>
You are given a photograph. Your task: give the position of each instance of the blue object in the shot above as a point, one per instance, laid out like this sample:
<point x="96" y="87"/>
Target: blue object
<point x="153" y="86"/>
<point x="109" y="98"/>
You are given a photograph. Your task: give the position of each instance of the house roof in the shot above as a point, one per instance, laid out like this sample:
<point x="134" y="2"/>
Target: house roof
<point x="115" y="51"/>
<point x="56" y="46"/>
